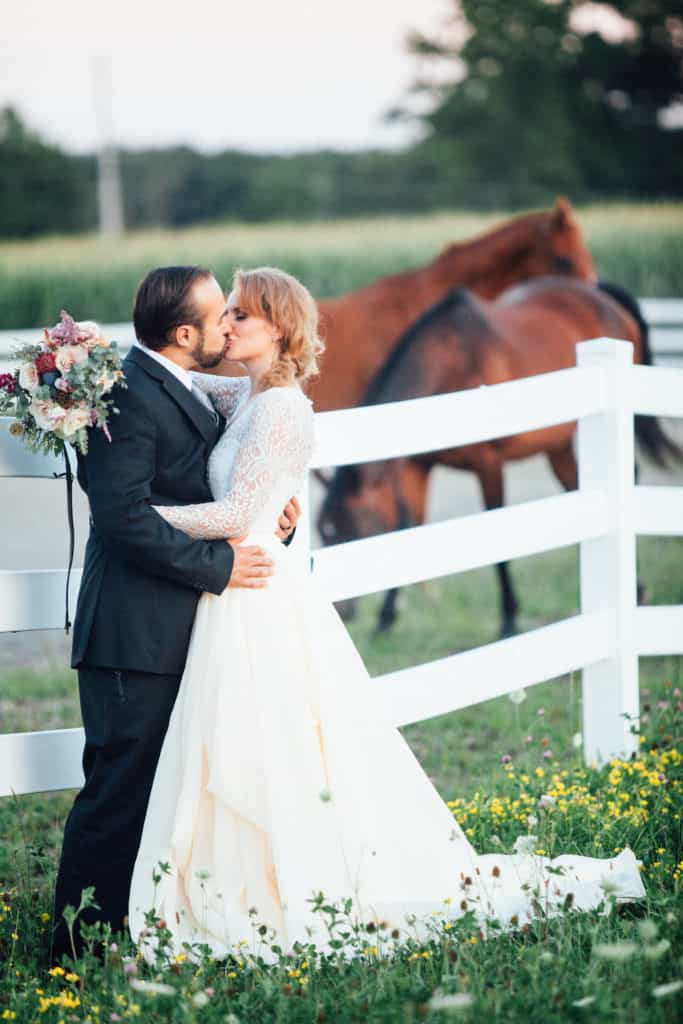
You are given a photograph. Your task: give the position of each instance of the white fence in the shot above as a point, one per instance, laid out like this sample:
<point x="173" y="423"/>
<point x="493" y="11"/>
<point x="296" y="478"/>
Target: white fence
<point x="603" y="517"/>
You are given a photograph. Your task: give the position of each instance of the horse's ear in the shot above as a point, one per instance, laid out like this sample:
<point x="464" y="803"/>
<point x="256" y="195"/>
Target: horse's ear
<point x="562" y="213"/>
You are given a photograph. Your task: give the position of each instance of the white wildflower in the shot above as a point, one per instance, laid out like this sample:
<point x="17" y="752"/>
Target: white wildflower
<point x="648" y="930"/>
<point x="517" y="696"/>
<point x="586" y="1001"/>
<point x="158" y="988"/>
<point x="455" y="1001"/>
<point x="525" y="845"/>
<point x="615" y="950"/>
<point x="657" y="949"/>
<point x="667" y="989"/>
<point x="577" y="740"/>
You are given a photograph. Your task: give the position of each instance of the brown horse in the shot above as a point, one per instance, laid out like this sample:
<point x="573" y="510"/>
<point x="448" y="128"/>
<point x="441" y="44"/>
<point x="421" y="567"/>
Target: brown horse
<point x="361" y="328"/>
<point x="463" y="342"/>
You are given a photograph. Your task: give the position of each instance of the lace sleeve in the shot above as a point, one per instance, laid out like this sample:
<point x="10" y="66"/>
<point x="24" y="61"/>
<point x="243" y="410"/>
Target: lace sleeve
<point x="278" y="441"/>
<point x="225" y="392"/>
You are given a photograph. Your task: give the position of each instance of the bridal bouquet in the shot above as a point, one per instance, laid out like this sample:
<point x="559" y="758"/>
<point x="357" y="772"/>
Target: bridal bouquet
<point x="62" y="387"/>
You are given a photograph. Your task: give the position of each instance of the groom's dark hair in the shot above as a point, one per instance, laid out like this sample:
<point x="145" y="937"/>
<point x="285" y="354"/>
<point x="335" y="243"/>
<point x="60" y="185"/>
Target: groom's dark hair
<point x="164" y="301"/>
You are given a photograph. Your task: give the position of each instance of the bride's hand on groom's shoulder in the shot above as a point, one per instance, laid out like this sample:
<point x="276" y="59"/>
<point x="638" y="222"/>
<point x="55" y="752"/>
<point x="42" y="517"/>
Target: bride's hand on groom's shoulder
<point x="251" y="566"/>
<point x="289" y="517"/>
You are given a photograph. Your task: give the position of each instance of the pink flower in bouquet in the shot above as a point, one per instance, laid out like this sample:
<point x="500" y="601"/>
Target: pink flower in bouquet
<point x="66" y="331"/>
<point x="76" y="418"/>
<point x="68" y="355"/>
<point x="48" y="415"/>
<point x="8" y="383"/>
<point x="63" y="385"/>
<point x="45" y="363"/>
<point x="28" y="377"/>
<point x="87" y="330"/>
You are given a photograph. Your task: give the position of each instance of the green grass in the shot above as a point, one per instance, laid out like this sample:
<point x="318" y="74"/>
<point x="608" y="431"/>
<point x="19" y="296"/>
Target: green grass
<point x="637" y="245"/>
<point x="535" y="974"/>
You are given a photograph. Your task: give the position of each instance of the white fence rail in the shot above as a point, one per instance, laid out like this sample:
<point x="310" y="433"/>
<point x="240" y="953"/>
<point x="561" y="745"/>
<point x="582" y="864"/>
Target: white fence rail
<point x="603" y="517"/>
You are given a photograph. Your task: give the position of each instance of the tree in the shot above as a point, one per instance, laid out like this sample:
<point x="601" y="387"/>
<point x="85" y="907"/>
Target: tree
<point x="43" y="189"/>
<point x="536" y="102"/>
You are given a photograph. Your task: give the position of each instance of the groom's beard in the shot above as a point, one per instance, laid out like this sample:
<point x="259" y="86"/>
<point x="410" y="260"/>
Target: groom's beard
<point x="205" y="359"/>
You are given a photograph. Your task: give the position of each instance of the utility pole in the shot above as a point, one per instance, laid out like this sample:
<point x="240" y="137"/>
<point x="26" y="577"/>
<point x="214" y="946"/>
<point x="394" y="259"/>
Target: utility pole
<point x="109" y="190"/>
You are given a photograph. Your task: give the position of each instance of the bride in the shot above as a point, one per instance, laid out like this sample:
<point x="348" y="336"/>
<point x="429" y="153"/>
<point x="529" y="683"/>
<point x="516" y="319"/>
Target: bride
<point x="279" y="776"/>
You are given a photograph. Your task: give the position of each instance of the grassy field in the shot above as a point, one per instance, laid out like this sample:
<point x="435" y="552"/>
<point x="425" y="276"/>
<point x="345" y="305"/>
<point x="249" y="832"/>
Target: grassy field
<point x="639" y="246"/>
<point x="492" y="762"/>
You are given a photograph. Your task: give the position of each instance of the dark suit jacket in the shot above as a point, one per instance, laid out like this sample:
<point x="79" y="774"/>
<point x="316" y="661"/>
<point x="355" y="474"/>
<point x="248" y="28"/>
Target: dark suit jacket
<point x="142" y="578"/>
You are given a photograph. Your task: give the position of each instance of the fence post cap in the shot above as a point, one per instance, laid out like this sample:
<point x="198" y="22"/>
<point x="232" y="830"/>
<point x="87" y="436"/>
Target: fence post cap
<point x="604" y="349"/>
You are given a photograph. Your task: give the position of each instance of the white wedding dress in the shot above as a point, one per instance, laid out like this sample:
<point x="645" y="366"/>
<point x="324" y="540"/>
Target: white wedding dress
<point x="279" y="776"/>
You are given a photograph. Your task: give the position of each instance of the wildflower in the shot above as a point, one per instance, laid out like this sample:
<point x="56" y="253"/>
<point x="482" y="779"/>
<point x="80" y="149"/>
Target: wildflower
<point x="130" y="968"/>
<point x="657" y="949"/>
<point x="667" y="989"/>
<point x="531" y="820"/>
<point x="56" y="972"/>
<point x="547" y="754"/>
<point x="200" y="999"/>
<point x="648" y="930"/>
<point x="517" y="696"/>
<point x="455" y="1001"/>
<point x="586" y="1001"/>
<point x="8" y="1015"/>
<point x="72" y="977"/>
<point x="157" y="987"/>
<point x="540" y="712"/>
<point x="115" y="1017"/>
<point x="44" y="917"/>
<point x="506" y="758"/>
<point x="577" y="740"/>
<point x="524" y="845"/>
<point x="546" y="801"/>
<point x="528" y="739"/>
<point x="614" y="950"/>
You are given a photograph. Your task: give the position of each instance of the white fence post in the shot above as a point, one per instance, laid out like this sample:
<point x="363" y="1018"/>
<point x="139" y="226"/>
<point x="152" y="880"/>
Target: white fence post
<point x="608" y="563"/>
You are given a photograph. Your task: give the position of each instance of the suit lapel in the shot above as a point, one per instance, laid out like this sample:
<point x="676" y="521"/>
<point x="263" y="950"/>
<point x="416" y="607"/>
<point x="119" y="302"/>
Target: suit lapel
<point x="200" y="417"/>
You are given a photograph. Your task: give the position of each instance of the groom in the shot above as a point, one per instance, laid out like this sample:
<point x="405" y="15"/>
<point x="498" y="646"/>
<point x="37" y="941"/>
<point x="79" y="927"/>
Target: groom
<point x="142" y="580"/>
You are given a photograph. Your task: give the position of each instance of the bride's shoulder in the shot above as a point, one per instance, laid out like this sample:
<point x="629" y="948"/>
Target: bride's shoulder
<point x="285" y="397"/>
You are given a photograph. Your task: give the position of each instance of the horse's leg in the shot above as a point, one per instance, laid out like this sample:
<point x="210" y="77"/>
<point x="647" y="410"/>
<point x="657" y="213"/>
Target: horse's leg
<point x="410" y="486"/>
<point x="490" y="473"/>
<point x="564" y="467"/>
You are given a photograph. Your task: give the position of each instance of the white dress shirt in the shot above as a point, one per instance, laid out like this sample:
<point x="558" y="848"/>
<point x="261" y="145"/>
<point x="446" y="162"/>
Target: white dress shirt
<point x="180" y="372"/>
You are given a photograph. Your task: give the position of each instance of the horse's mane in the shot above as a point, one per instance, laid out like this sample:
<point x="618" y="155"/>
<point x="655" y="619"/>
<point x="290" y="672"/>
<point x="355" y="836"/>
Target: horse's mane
<point x="501" y="233"/>
<point x="453" y="304"/>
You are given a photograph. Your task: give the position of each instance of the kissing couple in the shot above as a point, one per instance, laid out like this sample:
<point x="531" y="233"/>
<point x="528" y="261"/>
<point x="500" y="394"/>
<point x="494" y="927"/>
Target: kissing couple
<point x="232" y="733"/>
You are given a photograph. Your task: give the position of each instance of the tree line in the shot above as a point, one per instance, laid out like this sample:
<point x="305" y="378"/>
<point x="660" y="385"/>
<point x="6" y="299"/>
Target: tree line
<point x="527" y="106"/>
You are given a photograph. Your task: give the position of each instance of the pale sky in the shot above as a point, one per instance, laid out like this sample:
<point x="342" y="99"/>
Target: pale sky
<point x="258" y="74"/>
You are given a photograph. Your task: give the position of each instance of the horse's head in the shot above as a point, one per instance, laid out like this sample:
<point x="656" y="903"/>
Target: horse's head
<point x="559" y="246"/>
<point x="361" y="501"/>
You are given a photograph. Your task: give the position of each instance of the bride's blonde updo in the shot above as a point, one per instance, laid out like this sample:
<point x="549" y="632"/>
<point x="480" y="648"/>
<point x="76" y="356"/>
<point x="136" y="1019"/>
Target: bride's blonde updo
<point x="282" y="300"/>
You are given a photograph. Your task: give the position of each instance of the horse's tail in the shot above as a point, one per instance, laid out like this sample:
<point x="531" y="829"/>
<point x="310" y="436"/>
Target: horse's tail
<point x="659" y="447"/>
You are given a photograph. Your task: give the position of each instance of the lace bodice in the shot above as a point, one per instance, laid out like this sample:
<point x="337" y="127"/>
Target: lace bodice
<point x="257" y="465"/>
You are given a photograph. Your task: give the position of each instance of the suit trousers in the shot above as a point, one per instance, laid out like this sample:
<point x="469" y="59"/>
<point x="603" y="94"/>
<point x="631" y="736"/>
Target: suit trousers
<point x="125" y="717"/>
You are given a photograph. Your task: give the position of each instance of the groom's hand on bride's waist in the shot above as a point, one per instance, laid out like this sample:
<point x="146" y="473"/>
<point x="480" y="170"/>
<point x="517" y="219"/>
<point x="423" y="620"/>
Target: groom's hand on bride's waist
<point x="289" y="517"/>
<point x="251" y="566"/>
